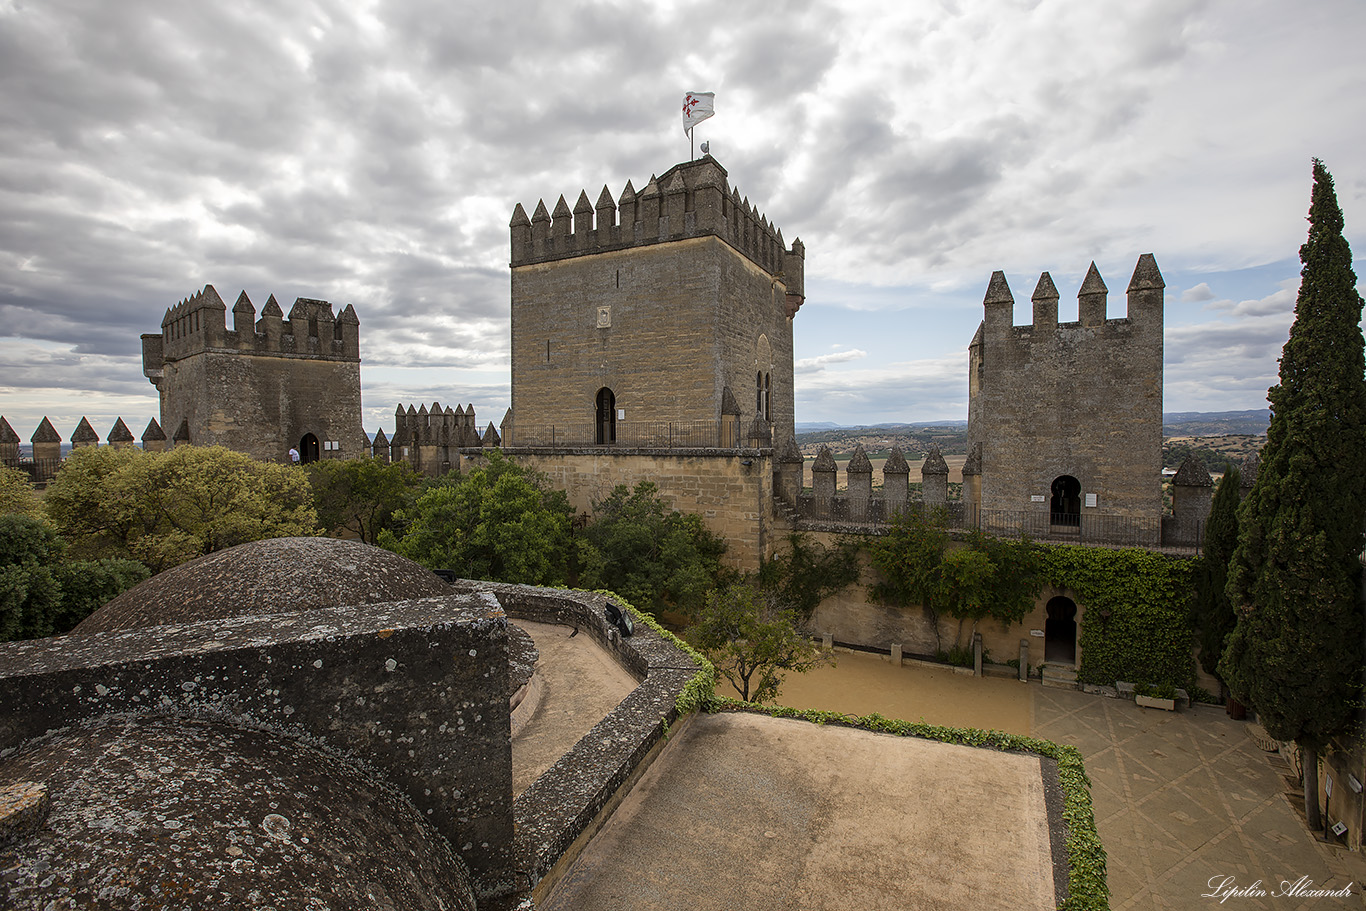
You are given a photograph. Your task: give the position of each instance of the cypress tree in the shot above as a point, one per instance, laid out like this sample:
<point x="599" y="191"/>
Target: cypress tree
<point x="1213" y="612"/>
<point x="1296" y="654"/>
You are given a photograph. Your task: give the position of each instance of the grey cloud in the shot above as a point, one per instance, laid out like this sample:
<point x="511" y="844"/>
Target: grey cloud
<point x="1200" y="292"/>
<point x="820" y="362"/>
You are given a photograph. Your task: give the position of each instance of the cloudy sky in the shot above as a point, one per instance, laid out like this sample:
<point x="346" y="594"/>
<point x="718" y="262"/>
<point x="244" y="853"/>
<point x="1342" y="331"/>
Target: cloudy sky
<point x="371" y="153"/>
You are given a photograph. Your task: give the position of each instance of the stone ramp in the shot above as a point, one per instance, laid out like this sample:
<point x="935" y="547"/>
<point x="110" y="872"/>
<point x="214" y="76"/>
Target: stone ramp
<point x="576" y="684"/>
<point x="746" y="811"/>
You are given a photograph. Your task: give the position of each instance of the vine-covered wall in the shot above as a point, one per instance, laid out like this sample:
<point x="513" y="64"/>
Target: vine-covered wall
<point x="1135" y="623"/>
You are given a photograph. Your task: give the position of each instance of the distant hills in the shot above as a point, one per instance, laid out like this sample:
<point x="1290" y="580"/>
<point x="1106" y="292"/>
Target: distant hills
<point x="1192" y="428"/>
<point x="1215" y="423"/>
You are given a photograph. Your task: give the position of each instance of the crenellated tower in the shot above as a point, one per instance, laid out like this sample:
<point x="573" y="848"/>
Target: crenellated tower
<point x="266" y="385"/>
<point x="1065" y="418"/>
<point x="668" y="306"/>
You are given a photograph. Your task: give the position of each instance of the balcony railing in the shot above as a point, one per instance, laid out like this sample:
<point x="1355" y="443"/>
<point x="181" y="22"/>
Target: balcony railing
<point x="1088" y="527"/>
<point x="630" y="434"/>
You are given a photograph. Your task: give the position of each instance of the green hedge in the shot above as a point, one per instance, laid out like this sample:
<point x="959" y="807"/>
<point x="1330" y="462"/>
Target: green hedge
<point x="1136" y="625"/>
<point x="1087" y="886"/>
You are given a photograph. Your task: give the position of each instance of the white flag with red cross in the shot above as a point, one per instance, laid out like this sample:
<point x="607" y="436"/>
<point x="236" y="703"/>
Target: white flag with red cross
<point x="697" y="107"/>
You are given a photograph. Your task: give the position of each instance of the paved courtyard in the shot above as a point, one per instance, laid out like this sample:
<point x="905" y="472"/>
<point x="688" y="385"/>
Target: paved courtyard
<point x="1185" y="799"/>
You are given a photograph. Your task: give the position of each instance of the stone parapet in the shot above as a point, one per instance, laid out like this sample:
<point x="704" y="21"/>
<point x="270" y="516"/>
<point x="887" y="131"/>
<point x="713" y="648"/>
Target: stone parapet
<point x="366" y="680"/>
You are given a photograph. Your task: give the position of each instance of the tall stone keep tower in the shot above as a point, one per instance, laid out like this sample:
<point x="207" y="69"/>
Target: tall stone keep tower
<point x="665" y="311"/>
<point x="263" y="387"/>
<point x="1065" y="419"/>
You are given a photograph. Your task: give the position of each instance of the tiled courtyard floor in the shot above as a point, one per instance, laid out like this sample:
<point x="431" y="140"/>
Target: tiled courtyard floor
<point x="1185" y="798"/>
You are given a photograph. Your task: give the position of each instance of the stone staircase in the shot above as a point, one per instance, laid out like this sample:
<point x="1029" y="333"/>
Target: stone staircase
<point x="1060" y="676"/>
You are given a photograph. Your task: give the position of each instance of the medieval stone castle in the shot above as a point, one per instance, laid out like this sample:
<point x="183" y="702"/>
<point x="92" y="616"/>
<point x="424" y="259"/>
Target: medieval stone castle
<point x="652" y="339"/>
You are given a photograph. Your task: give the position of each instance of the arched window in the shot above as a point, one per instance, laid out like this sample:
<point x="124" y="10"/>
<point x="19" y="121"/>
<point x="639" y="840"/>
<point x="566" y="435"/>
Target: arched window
<point x="759" y="394"/>
<point x="607" y="416"/>
<point x="1065" y="505"/>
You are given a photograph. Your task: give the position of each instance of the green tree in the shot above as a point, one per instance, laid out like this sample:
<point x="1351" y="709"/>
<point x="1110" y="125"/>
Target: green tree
<point x="1214" y="615"/>
<point x="657" y="558"/>
<point x="361" y="495"/>
<point x="498" y="522"/>
<point x="162" y="509"/>
<point x="42" y="594"/>
<point x="986" y="577"/>
<point x="808" y="572"/>
<point x="86" y="585"/>
<point x="17" y="494"/>
<point x="29" y="593"/>
<point x="1296" y="654"/>
<point x="752" y="640"/>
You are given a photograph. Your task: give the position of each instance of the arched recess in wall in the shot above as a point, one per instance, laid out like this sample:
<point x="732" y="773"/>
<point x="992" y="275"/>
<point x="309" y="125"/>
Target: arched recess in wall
<point x="606" y="423"/>
<point x="1064" y="506"/>
<point x="1060" y="631"/>
<point x="308" y="448"/>
<point x="763" y="378"/>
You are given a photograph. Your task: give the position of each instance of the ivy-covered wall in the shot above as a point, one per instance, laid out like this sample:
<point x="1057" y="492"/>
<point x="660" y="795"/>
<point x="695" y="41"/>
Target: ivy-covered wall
<point x="1135" y="604"/>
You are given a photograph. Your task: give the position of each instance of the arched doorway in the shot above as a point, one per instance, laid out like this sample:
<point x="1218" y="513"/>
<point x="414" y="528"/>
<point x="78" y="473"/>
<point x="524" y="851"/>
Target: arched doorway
<point x="308" y="448"/>
<point x="1064" y="507"/>
<point x="607" y="416"/>
<point x="1060" y="631"/>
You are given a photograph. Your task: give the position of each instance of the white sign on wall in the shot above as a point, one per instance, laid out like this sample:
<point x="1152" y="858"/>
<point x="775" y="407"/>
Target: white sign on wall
<point x="1091" y="500"/>
<point x="1036" y="499"/>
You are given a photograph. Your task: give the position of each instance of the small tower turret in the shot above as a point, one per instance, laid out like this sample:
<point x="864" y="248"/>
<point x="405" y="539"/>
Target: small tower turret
<point x="244" y="321"/>
<point x="120" y="437"/>
<point x="9" y="445"/>
<point x="84" y="435"/>
<point x="153" y="438"/>
<point x="896" y="474"/>
<point x="1092" y="298"/>
<point x="823" y="475"/>
<point x="1045" y="301"/>
<point x="934" y="477"/>
<point x="1146" y="290"/>
<point x="999" y="305"/>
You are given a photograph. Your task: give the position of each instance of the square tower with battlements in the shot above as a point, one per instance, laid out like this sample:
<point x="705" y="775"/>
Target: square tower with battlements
<point x="263" y="387"/>
<point x="1065" y="418"/>
<point x="664" y="315"/>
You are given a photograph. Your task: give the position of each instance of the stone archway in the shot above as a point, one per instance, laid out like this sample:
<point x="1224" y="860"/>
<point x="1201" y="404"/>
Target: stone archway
<point x="308" y="448"/>
<point x="606" y="422"/>
<point x="1064" y="507"/>
<point x="1060" y="631"/>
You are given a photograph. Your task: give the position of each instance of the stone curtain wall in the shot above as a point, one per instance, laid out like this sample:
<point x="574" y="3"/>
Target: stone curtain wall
<point x="853" y="617"/>
<point x="734" y="499"/>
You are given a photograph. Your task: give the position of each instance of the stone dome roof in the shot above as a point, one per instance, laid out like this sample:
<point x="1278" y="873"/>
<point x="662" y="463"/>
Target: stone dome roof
<point x="150" y="811"/>
<point x="267" y="577"/>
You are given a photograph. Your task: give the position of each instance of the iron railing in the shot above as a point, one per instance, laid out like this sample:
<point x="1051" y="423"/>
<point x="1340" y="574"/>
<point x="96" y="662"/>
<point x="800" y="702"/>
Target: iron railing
<point x="1087" y="527"/>
<point x="630" y="434"/>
